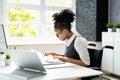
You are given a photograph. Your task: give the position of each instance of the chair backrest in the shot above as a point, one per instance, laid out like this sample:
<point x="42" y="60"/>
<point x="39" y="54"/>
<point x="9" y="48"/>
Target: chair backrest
<point x="96" y="56"/>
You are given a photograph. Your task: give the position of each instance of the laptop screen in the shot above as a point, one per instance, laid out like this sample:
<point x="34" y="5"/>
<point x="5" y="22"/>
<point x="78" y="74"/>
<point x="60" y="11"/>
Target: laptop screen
<point x="3" y="42"/>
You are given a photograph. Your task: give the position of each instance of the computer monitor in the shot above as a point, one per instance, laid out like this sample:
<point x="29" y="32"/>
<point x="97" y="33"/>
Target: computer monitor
<point x="3" y="41"/>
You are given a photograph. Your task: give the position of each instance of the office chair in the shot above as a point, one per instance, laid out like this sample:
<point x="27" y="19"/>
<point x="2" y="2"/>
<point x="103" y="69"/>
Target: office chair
<point x="95" y="61"/>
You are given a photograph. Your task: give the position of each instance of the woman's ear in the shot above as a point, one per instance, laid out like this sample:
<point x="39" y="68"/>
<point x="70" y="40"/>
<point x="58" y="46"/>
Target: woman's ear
<point x="64" y="30"/>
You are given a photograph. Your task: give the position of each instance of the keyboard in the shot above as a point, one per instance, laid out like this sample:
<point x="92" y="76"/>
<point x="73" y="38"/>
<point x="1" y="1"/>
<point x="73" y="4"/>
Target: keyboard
<point x="48" y="60"/>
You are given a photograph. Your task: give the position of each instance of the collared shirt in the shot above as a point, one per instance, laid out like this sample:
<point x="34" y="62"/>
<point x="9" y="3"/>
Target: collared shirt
<point x="81" y="47"/>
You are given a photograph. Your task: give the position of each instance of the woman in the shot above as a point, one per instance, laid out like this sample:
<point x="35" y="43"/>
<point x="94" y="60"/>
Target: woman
<point x="76" y="46"/>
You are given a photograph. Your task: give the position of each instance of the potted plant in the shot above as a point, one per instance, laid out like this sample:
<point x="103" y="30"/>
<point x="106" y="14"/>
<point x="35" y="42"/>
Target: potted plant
<point x="117" y="26"/>
<point x="7" y="59"/>
<point x="109" y="27"/>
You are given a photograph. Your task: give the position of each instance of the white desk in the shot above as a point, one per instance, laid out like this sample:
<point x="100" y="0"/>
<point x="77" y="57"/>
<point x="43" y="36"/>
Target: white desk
<point x="68" y="73"/>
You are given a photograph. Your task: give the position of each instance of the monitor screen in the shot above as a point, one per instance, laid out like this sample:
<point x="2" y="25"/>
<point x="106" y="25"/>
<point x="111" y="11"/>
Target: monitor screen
<point x="3" y="42"/>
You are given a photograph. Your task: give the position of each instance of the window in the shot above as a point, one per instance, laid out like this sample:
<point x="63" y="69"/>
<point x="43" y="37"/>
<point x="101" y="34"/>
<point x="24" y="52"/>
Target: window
<point x="30" y="21"/>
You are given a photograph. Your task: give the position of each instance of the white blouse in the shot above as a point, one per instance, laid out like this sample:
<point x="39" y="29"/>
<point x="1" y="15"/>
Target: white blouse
<point x="81" y="47"/>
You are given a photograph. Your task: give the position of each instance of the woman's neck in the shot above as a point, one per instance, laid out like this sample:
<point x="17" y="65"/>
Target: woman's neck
<point x="69" y="35"/>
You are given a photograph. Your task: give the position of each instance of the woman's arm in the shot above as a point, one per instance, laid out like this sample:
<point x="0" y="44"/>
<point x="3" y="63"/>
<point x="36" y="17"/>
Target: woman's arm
<point x="74" y="61"/>
<point x="81" y="47"/>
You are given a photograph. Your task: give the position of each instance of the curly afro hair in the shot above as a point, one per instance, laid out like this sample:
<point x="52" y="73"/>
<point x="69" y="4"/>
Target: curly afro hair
<point x="63" y="19"/>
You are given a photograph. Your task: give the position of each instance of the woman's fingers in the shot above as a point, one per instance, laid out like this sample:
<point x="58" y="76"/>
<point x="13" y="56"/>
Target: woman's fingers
<point x="46" y="54"/>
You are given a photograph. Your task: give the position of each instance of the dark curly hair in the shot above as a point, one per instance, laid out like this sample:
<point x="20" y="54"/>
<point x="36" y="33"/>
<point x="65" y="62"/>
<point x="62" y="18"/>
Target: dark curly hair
<point x="63" y="19"/>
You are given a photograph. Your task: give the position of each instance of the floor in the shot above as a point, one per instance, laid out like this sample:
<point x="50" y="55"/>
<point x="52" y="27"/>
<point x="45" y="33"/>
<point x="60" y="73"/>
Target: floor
<point x="109" y="76"/>
<point x="112" y="76"/>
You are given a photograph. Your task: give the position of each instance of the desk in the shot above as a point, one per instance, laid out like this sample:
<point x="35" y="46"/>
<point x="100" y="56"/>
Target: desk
<point x="67" y="73"/>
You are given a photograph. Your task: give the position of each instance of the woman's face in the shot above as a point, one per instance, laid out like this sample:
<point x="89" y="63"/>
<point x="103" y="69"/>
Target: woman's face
<point x="61" y="34"/>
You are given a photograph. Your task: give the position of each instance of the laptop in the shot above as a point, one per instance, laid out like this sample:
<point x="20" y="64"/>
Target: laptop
<point x="27" y="64"/>
<point x="30" y="64"/>
<point x="3" y="41"/>
<point x="29" y="59"/>
<point x="3" y="44"/>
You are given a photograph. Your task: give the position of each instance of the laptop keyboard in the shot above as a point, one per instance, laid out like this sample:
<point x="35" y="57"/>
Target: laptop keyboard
<point x="48" y="60"/>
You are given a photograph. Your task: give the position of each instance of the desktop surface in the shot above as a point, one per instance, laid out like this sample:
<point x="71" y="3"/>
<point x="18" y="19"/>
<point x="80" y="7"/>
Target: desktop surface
<point x="63" y="73"/>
